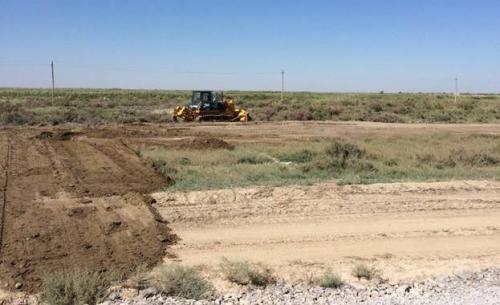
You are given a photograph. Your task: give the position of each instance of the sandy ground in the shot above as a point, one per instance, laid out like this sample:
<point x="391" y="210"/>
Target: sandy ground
<point x="407" y="230"/>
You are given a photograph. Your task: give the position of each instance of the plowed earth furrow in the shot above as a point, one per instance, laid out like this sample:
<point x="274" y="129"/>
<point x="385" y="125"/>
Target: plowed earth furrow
<point x="70" y="205"/>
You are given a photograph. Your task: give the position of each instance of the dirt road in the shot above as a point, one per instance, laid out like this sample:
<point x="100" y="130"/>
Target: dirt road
<point x="405" y="229"/>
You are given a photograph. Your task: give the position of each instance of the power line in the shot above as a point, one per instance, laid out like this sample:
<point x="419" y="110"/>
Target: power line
<point x="66" y="66"/>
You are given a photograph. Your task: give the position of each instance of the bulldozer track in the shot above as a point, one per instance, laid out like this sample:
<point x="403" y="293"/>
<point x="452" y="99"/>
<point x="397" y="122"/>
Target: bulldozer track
<point x="4" y="191"/>
<point x="71" y="204"/>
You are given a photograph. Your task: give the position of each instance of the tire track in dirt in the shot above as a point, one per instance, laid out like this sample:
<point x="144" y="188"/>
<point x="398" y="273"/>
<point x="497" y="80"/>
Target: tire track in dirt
<point x="416" y="227"/>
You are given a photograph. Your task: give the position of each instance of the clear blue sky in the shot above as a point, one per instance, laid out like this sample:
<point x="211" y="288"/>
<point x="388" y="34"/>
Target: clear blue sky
<point x="391" y="45"/>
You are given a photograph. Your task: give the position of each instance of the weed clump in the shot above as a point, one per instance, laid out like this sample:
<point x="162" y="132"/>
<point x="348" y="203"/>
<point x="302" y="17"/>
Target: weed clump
<point x="329" y="280"/>
<point x="340" y="156"/>
<point x="362" y="271"/>
<point x="82" y="287"/>
<point x="341" y="153"/>
<point x="180" y="281"/>
<point x="245" y="273"/>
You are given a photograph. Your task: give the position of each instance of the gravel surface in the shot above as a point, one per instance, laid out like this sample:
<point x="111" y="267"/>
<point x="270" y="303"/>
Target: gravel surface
<point x="480" y="288"/>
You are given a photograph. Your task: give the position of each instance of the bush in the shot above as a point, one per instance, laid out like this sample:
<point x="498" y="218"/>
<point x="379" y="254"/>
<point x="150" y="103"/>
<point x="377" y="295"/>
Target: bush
<point x="329" y="280"/>
<point x="15" y="115"/>
<point x="363" y="271"/>
<point x="481" y="159"/>
<point x="180" y="281"/>
<point x="82" y="287"/>
<point x="161" y="167"/>
<point x="341" y="154"/>
<point x="245" y="273"/>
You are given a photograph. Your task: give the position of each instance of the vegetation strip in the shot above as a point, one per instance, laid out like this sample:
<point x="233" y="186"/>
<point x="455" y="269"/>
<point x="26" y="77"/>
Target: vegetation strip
<point x="98" y="106"/>
<point x="439" y="156"/>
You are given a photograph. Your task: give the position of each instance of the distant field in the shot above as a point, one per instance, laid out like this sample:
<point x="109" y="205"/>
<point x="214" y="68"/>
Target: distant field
<point x="97" y="106"/>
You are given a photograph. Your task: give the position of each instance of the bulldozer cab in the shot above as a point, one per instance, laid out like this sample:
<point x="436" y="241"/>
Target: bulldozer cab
<point x="207" y="100"/>
<point x="202" y="97"/>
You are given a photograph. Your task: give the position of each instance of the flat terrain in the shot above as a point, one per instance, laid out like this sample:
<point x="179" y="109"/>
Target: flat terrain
<point x="405" y="229"/>
<point x="76" y="196"/>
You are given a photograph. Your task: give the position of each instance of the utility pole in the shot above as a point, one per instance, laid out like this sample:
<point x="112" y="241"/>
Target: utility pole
<point x="282" y="83"/>
<point x="52" y="69"/>
<point x="456" y="89"/>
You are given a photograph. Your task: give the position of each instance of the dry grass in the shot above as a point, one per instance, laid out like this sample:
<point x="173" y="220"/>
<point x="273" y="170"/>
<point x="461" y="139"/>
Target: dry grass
<point x="328" y="280"/>
<point x="440" y="156"/>
<point x="79" y="287"/>
<point x="246" y="273"/>
<point x="180" y="281"/>
<point x="362" y="271"/>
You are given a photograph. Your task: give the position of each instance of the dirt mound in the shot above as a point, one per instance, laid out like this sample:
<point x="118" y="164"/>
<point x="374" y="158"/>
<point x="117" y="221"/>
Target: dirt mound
<point x="74" y="204"/>
<point x="206" y="143"/>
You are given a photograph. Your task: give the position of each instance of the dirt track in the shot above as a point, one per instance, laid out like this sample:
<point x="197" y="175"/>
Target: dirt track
<point x="407" y="230"/>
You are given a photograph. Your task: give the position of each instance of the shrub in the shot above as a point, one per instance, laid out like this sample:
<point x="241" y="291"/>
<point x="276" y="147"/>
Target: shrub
<point x="329" y="280"/>
<point x="363" y="271"/>
<point x="245" y="273"/>
<point x="377" y="107"/>
<point x="15" y="114"/>
<point x="160" y="166"/>
<point x="341" y="153"/>
<point x="344" y="150"/>
<point x="180" y="281"/>
<point x="82" y="287"/>
<point x="481" y="159"/>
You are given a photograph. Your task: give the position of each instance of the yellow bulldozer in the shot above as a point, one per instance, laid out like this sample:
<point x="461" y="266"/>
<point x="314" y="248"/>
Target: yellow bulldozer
<point x="210" y="106"/>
